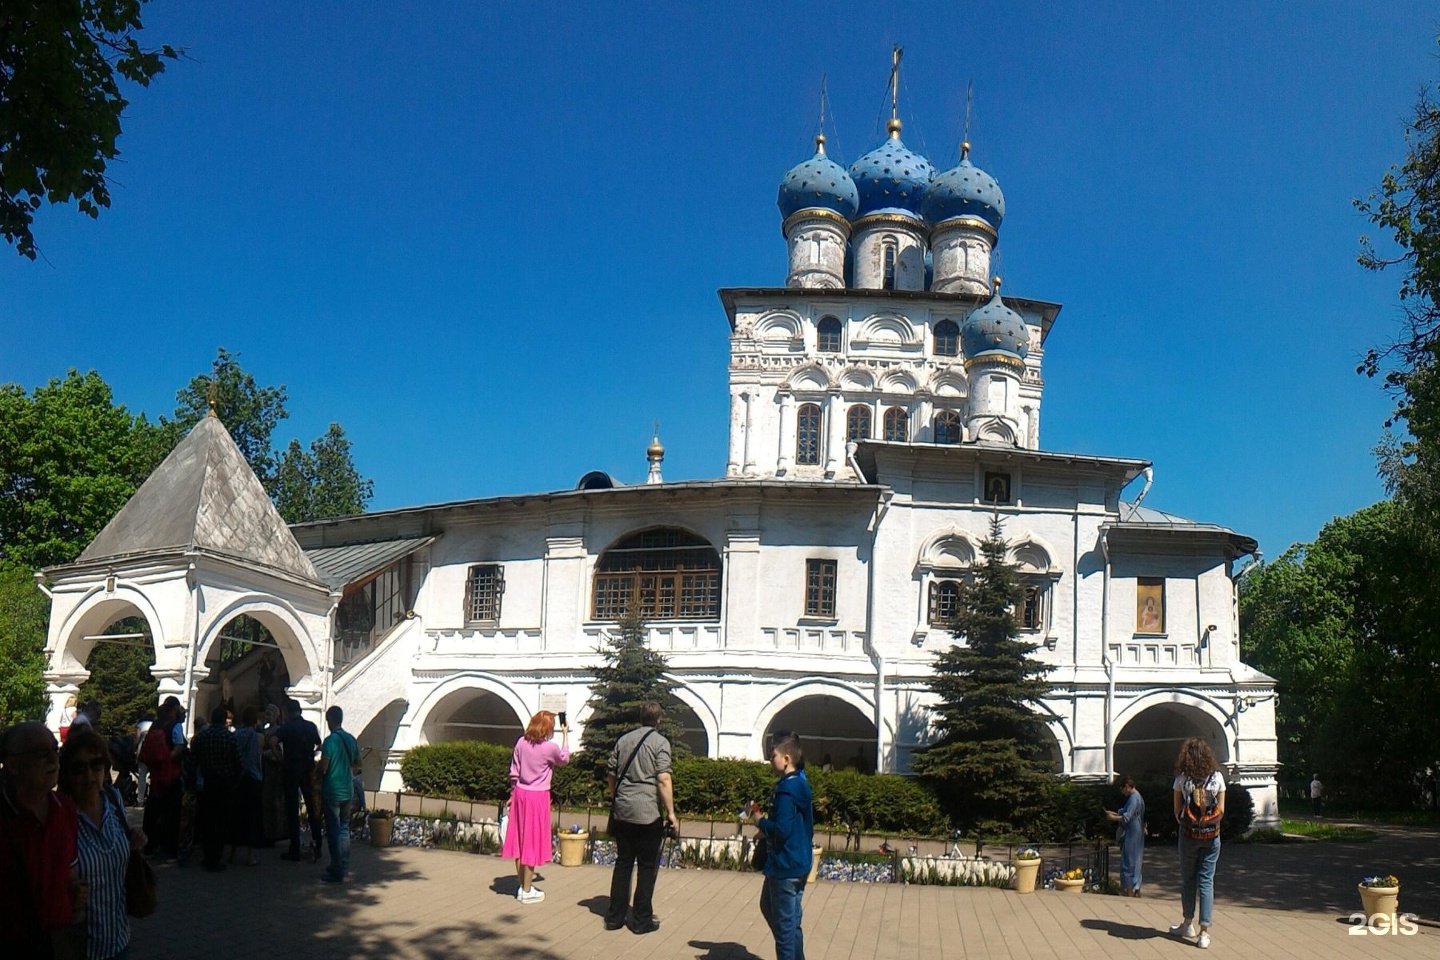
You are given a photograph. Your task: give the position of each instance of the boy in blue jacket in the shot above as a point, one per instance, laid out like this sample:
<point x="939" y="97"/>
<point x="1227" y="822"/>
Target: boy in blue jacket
<point x="789" y="833"/>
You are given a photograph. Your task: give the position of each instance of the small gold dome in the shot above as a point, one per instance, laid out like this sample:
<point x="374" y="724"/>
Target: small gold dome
<point x="656" y="450"/>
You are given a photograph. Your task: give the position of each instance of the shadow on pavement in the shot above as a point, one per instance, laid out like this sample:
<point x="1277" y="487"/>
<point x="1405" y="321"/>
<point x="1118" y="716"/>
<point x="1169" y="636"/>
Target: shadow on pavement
<point x="289" y="906"/>
<point x="722" y="951"/>
<point x="599" y="906"/>
<point x="1122" y="931"/>
<point x="1319" y="877"/>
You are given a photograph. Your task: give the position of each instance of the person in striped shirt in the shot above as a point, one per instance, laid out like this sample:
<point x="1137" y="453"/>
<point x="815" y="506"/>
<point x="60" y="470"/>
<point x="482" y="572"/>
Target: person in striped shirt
<point x="104" y="841"/>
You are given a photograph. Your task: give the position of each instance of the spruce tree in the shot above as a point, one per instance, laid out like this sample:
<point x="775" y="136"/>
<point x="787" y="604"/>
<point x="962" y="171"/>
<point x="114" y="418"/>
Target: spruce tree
<point x="990" y="760"/>
<point x="630" y="675"/>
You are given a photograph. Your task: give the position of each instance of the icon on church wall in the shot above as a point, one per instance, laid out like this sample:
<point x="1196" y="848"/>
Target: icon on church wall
<point x="997" y="488"/>
<point x="1150" y="605"/>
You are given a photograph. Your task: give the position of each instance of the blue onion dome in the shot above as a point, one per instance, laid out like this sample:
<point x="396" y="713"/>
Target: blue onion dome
<point x="964" y="191"/>
<point x="891" y="178"/>
<point x="994" y="327"/>
<point x="818" y="183"/>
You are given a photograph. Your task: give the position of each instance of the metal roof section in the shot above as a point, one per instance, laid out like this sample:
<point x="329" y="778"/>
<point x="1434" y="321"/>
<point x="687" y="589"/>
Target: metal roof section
<point x="350" y="563"/>
<point x="314" y="533"/>
<point x="202" y="498"/>
<point x="1138" y="519"/>
<point x="868" y="451"/>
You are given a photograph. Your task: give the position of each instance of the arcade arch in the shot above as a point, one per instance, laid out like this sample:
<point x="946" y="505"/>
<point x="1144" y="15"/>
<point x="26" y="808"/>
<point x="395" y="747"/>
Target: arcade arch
<point x="1150" y="739"/>
<point x="827" y="726"/>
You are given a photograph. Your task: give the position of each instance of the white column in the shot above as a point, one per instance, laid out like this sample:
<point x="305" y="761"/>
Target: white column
<point x="787" y="435"/>
<point x="749" y="398"/>
<point x="737" y="434"/>
<point x="835" y="435"/>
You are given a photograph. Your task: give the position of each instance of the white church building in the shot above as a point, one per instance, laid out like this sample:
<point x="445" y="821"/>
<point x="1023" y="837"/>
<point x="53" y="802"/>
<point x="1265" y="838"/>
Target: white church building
<point x="884" y="404"/>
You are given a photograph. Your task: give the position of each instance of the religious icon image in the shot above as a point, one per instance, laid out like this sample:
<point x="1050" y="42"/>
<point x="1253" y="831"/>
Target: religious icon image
<point x="997" y="488"/>
<point x="1150" y="606"/>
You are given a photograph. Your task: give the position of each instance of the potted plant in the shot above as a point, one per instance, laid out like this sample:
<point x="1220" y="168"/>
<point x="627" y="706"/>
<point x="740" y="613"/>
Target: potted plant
<point x="381" y="824"/>
<point x="1380" y="896"/>
<point x="1071" y="881"/>
<point x="572" y="845"/>
<point x="817" y="853"/>
<point x="1027" y="866"/>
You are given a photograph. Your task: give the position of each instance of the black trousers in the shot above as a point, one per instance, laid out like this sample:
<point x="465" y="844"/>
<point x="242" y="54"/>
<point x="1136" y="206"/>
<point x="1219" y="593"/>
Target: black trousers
<point x="162" y="818"/>
<point x="637" y="849"/>
<point x="298" y="784"/>
<point x="212" y="816"/>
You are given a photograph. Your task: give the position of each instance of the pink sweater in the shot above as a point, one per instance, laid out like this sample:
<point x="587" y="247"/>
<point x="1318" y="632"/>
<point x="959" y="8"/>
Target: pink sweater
<point x="533" y="763"/>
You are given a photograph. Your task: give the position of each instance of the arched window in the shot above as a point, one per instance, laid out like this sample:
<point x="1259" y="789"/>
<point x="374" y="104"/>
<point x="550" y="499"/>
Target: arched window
<point x="669" y="574"/>
<point x="947" y="339"/>
<point x="944" y="603"/>
<point x="807" y="434"/>
<point x="897" y="424"/>
<point x="857" y="423"/>
<point x="829" y="335"/>
<point x="947" y="426"/>
<point x="887" y="259"/>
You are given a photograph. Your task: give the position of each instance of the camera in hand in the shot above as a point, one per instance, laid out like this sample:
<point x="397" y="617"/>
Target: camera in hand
<point x="561" y="717"/>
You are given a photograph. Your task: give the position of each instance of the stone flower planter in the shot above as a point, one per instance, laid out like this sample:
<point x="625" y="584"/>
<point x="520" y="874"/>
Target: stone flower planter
<point x="380" y="828"/>
<point x="1069" y="886"/>
<point x="572" y="848"/>
<point x="1025" y="873"/>
<point x="1380" y="902"/>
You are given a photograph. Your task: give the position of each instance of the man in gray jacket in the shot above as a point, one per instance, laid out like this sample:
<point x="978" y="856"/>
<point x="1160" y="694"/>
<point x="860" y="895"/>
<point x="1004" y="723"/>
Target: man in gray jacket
<point x="639" y="777"/>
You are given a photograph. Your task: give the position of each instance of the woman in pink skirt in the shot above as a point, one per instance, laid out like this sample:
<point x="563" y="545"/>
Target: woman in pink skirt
<point x="527" y="839"/>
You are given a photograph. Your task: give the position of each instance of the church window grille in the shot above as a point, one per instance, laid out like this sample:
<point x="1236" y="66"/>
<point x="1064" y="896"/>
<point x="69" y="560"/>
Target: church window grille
<point x="945" y="604"/>
<point x="947" y="339"/>
<point x="897" y="424"/>
<point x="887" y="259"/>
<point x="829" y="335"/>
<point x="857" y="423"/>
<point x="807" y="434"/>
<point x="670" y="574"/>
<point x="947" y="427"/>
<point x="820" y="577"/>
<point x="484" y="586"/>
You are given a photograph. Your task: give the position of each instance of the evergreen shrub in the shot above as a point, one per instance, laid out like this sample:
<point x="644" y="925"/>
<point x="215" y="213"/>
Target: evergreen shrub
<point x="458" y="770"/>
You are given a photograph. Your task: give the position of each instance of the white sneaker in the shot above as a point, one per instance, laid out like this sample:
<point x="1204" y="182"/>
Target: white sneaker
<point x="1185" y="931"/>
<point x="1204" y="942"/>
<point x="533" y="895"/>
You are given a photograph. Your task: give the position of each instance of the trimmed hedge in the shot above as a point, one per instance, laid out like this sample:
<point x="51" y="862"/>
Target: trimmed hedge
<point x="881" y="803"/>
<point x="458" y="770"/>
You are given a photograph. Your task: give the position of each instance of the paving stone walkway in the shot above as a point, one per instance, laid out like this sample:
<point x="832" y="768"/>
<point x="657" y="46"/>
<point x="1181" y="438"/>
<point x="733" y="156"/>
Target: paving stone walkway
<point x="405" y="902"/>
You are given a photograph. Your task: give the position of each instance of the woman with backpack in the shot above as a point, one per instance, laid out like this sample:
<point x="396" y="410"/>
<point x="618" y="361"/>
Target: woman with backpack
<point x="1199" y="803"/>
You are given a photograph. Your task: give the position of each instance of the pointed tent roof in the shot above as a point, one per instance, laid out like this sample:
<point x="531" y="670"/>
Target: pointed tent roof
<point x="205" y="497"/>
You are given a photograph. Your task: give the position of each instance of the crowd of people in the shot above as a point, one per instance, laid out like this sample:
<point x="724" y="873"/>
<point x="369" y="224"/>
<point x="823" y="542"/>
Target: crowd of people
<point x="68" y="851"/>
<point x="67" y="842"/>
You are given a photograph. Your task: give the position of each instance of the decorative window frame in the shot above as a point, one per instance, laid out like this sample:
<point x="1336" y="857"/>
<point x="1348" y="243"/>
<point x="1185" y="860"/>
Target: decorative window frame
<point x="496" y="588"/>
<point x="822" y="574"/>
<point x="952" y="340"/>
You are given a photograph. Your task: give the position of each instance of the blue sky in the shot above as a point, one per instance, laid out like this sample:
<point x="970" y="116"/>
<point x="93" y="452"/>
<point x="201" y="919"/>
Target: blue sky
<point x="487" y="238"/>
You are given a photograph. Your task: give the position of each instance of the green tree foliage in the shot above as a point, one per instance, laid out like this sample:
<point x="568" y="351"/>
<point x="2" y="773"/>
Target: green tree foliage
<point x="629" y="675"/>
<point x="304" y="485"/>
<point x="121" y="681"/>
<point x="69" y="459"/>
<point x="990" y="760"/>
<point x="1407" y="208"/>
<point x="1347" y="626"/>
<point x="24" y="612"/>
<point x="321" y="483"/>
<point x="61" y="62"/>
